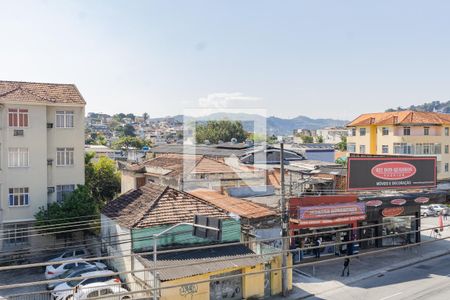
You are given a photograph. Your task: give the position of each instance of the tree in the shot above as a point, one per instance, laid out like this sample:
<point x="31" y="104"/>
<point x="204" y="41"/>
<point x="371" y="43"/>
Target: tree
<point x="131" y="116"/>
<point x="128" y="130"/>
<point x="130" y="142"/>
<point x="306" y="139"/>
<point x="223" y="130"/>
<point x="102" y="178"/>
<point x="342" y="145"/>
<point x="78" y="206"/>
<point x="319" y="139"/>
<point x="145" y="116"/>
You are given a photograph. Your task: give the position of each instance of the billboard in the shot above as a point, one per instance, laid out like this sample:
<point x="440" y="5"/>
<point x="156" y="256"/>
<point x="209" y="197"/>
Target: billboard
<point x="379" y="173"/>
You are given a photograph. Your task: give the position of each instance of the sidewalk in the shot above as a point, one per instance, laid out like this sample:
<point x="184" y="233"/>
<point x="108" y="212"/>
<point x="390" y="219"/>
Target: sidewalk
<point x="320" y="278"/>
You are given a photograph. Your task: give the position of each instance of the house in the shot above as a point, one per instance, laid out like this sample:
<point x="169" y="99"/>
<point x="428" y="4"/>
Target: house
<point x="188" y="172"/>
<point x="332" y="135"/>
<point x="42" y="153"/>
<point x="128" y="225"/>
<point x="403" y="133"/>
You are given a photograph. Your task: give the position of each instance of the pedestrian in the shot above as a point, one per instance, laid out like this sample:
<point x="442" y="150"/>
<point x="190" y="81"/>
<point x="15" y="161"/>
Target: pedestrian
<point x="346" y="267"/>
<point x="317" y="244"/>
<point x="446" y="211"/>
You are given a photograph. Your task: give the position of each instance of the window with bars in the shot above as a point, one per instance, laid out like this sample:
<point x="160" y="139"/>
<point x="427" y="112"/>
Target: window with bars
<point x="385" y="131"/>
<point x="64" y="156"/>
<point x="406" y="130"/>
<point x="362" y="131"/>
<point x="64" y="119"/>
<point x="426" y="131"/>
<point x="351" y="147"/>
<point x="18" y="157"/>
<point x="19" y="196"/>
<point x="15" y="234"/>
<point x="63" y="191"/>
<point x="385" y="148"/>
<point x="18" y="117"/>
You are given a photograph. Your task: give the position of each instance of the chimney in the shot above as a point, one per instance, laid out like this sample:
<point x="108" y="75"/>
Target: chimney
<point x="395" y="119"/>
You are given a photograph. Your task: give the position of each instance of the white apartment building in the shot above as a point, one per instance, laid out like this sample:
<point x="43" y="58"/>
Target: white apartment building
<point x="41" y="153"/>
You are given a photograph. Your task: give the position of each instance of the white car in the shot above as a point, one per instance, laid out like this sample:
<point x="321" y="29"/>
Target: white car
<point x="100" y="289"/>
<point x="59" y="267"/>
<point x="67" y="290"/>
<point x="437" y="208"/>
<point x="79" y="252"/>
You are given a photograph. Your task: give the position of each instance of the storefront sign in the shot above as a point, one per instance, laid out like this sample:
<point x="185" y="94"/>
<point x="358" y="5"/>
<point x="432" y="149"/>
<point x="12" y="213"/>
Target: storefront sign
<point x="330" y="222"/>
<point x="374" y="203"/>
<point x="392" y="211"/>
<point x="331" y="211"/>
<point x="398" y="201"/>
<point x="375" y="173"/>
<point x="422" y="200"/>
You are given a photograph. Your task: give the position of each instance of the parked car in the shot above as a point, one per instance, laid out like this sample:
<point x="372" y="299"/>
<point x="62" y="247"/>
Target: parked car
<point x="75" y="272"/>
<point x="66" y="290"/>
<point x="438" y="208"/>
<point x="59" y="267"/>
<point x="100" y="289"/>
<point x="426" y="211"/>
<point x="74" y="253"/>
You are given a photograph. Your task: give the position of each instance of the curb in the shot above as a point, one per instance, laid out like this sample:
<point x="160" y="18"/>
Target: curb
<point x="381" y="272"/>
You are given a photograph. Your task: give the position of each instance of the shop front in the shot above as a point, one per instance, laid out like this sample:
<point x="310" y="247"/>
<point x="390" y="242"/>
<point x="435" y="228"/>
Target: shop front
<point x="391" y="221"/>
<point x="328" y="219"/>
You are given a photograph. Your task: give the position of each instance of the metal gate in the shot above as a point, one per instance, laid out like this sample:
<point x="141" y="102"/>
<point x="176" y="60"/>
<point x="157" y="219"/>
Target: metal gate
<point x="267" y="281"/>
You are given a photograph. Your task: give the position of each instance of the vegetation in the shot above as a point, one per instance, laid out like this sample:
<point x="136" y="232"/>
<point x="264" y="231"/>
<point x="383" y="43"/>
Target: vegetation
<point x="342" y="161"/>
<point x="438" y="106"/>
<point x="342" y="145"/>
<point x="102" y="178"/>
<point x="127" y="142"/>
<point x="319" y="139"/>
<point x="96" y="138"/>
<point x="223" y="130"/>
<point x="306" y="139"/>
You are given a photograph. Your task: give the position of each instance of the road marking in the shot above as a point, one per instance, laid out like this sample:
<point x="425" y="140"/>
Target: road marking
<point x="391" y="296"/>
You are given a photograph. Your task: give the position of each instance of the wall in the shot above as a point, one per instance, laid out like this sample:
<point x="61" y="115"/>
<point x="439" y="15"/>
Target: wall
<point x="182" y="235"/>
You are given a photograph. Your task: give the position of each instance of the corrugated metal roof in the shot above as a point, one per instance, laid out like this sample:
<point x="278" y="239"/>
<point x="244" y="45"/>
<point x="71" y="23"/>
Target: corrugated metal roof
<point x="206" y="261"/>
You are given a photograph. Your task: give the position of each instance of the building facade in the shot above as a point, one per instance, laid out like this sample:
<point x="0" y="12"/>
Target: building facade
<point x="41" y="153"/>
<point x="403" y="133"/>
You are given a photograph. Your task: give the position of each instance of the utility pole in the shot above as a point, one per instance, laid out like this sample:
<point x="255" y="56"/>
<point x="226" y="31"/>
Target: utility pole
<point x="284" y="224"/>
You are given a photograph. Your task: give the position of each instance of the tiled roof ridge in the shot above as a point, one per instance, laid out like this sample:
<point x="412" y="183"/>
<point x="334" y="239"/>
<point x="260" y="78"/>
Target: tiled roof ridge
<point x="34" y="82"/>
<point x="151" y="206"/>
<point x="206" y="202"/>
<point x="10" y="91"/>
<point x="34" y="94"/>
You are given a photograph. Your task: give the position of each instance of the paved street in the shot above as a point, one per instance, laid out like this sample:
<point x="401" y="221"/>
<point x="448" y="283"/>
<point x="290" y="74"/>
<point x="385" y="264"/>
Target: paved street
<point x="428" y="280"/>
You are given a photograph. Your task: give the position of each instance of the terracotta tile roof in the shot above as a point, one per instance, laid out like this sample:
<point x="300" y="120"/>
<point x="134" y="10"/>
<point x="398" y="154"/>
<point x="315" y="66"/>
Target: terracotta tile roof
<point x="242" y="208"/>
<point x="203" y="261"/>
<point x="42" y="93"/>
<point x="401" y="117"/>
<point x="174" y="165"/>
<point x="153" y="205"/>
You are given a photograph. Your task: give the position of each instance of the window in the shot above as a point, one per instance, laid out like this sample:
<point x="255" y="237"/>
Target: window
<point x="426" y="131"/>
<point x="446" y="149"/>
<point x="63" y="191"/>
<point x="353" y="132"/>
<point x="19" y="196"/>
<point x="446" y="167"/>
<point x="93" y="294"/>
<point x="427" y="148"/>
<point x="362" y="131"/>
<point x="64" y="119"/>
<point x="18" y="117"/>
<point x="385" y="149"/>
<point x="351" y="147"/>
<point x="18" y="157"/>
<point x="406" y="130"/>
<point x="15" y="233"/>
<point x="446" y="130"/>
<point x="403" y="148"/>
<point x="362" y="149"/>
<point x="64" y="156"/>
<point x="385" y="131"/>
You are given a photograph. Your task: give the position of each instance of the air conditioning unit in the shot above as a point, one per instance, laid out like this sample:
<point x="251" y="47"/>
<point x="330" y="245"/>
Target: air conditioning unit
<point x="49" y="162"/>
<point x="49" y="125"/>
<point x="50" y="189"/>
<point x="18" y="132"/>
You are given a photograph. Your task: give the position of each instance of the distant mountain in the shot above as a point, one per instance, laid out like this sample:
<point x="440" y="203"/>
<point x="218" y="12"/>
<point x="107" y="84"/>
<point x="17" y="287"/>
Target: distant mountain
<point x="434" y="106"/>
<point x="274" y="125"/>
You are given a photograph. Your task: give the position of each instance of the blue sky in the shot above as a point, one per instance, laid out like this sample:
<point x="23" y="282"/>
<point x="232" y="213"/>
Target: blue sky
<point x="317" y="58"/>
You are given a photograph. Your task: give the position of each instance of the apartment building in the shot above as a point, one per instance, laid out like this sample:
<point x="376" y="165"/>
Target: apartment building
<point x="41" y="153"/>
<point x="403" y="133"/>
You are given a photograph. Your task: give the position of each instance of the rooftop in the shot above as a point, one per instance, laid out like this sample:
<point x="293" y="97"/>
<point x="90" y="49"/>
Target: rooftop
<point x="406" y="117"/>
<point x="203" y="261"/>
<point x="40" y="93"/>
<point x="154" y="205"/>
<point x="242" y="208"/>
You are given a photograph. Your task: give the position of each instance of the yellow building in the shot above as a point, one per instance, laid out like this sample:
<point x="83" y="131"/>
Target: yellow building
<point x="403" y="133"/>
